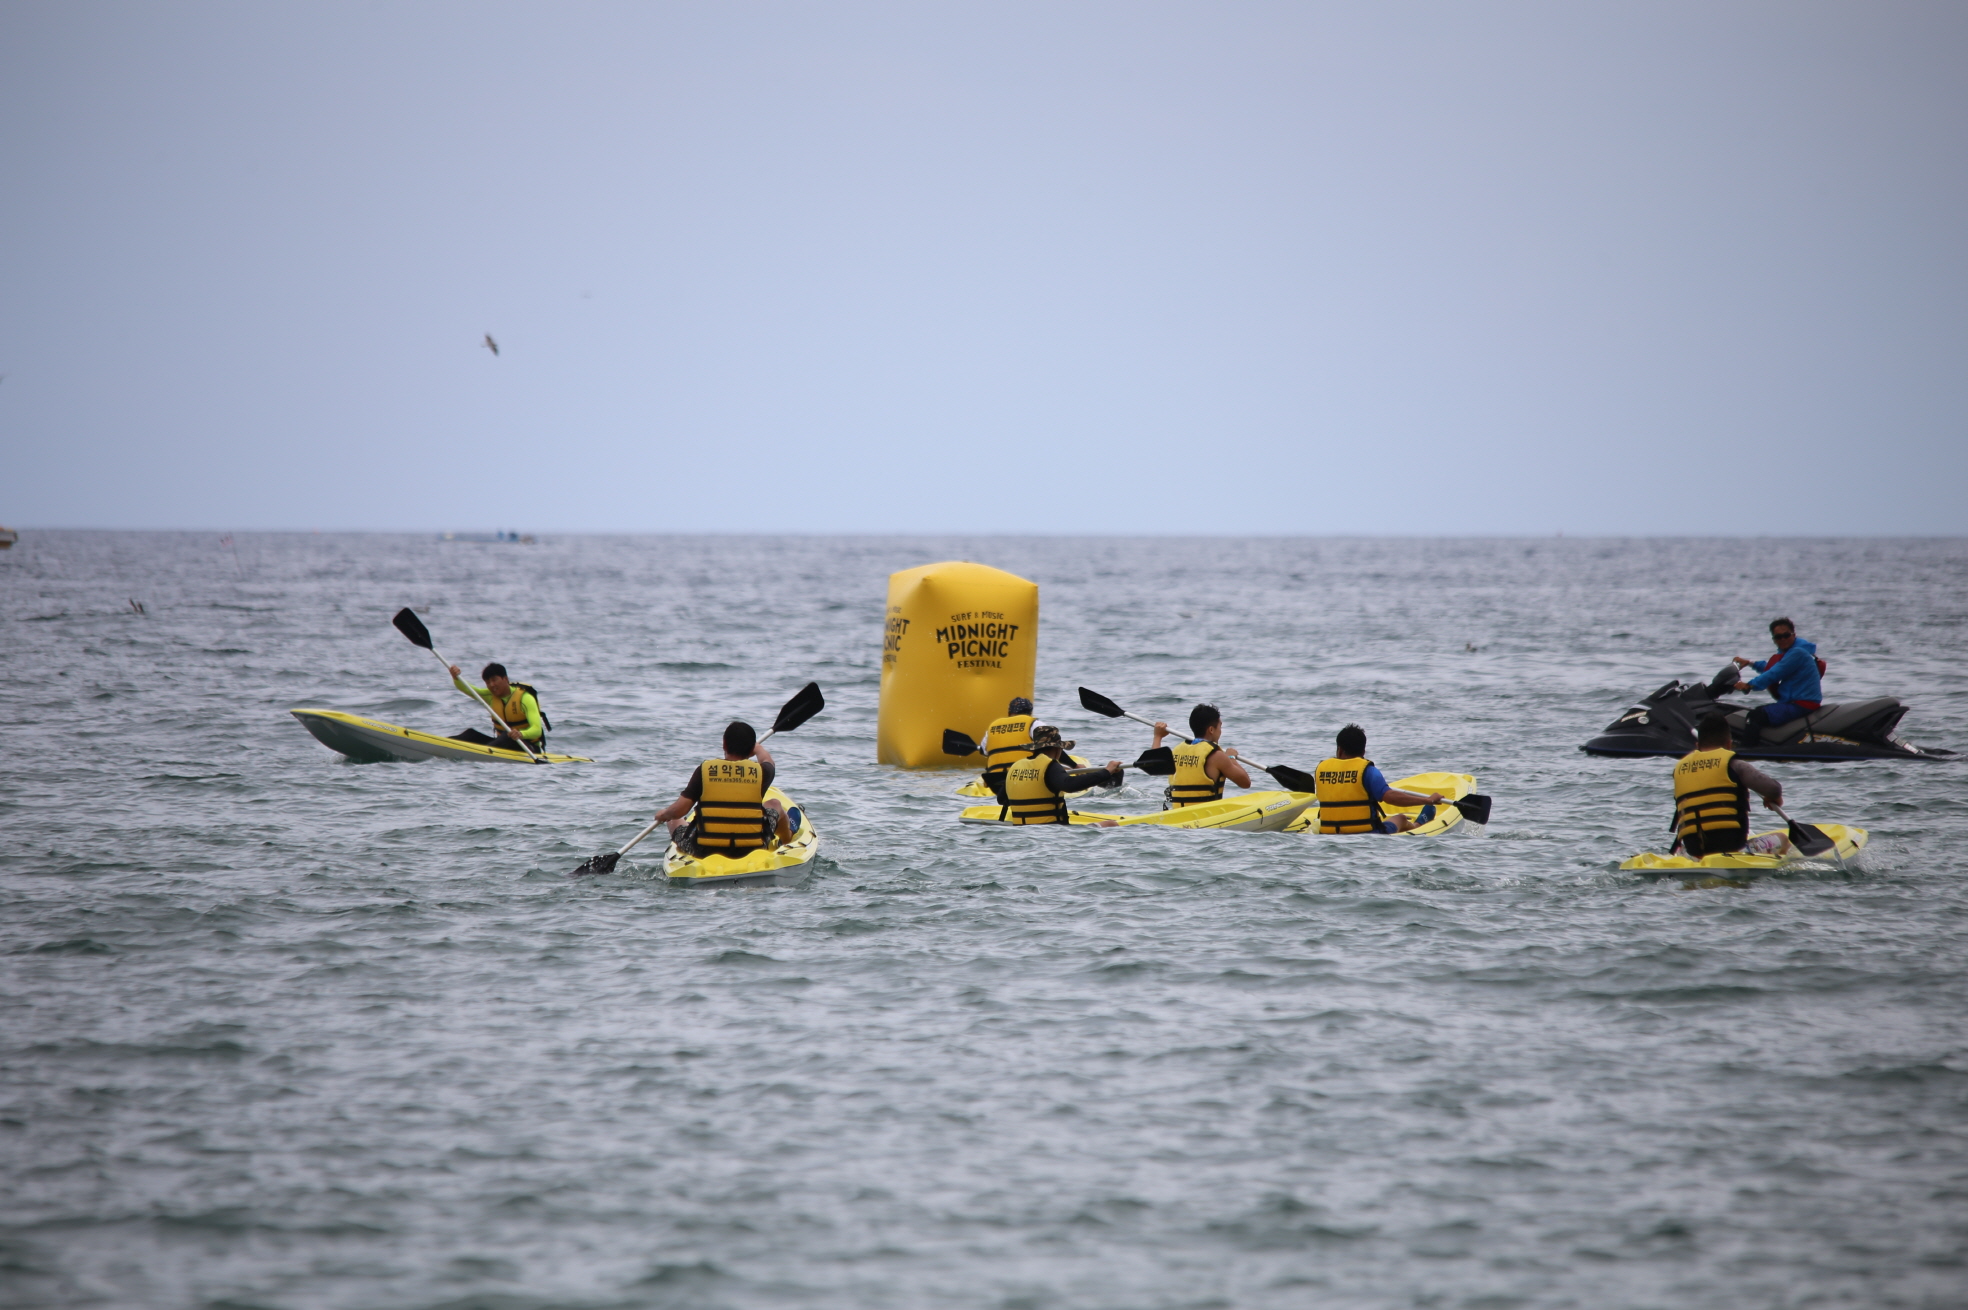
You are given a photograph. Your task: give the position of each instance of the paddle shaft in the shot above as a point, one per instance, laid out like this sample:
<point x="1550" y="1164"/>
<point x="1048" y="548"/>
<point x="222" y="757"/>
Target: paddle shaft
<point x="503" y="725"/>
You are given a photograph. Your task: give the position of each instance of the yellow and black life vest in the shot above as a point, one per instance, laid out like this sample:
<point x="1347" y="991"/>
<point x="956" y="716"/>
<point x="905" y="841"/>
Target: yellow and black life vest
<point x="1027" y="798"/>
<point x="1192" y="784"/>
<point x="1005" y="742"/>
<point x="1344" y="802"/>
<point x="513" y="708"/>
<point x="731" y="812"/>
<point x="1713" y="808"/>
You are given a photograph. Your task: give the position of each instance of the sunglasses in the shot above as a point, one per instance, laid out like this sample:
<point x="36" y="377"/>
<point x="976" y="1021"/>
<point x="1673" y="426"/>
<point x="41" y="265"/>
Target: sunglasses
<point x="1784" y="636"/>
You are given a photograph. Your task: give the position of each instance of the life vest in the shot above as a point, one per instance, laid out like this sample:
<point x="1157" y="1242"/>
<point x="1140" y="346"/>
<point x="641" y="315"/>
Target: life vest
<point x="1713" y="807"/>
<point x="1344" y="803"/>
<point x="1027" y="798"/>
<point x="513" y="708"/>
<point x="731" y="812"/>
<point x="1192" y="784"/>
<point x="1006" y="741"/>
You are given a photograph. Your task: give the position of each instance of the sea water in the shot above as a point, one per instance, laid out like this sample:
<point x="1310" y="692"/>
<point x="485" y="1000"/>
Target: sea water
<point x="282" y="1030"/>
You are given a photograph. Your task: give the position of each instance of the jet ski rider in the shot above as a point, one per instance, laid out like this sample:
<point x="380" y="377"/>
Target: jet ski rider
<point x="1201" y="766"/>
<point x="515" y="704"/>
<point x="1711" y="796"/>
<point x="1036" y="786"/>
<point x="1790" y="675"/>
<point x="1007" y="741"/>
<point x="1352" y="790"/>
<point x="733" y="814"/>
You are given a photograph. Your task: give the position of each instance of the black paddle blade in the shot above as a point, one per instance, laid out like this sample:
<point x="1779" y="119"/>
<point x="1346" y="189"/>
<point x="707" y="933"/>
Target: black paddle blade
<point x="806" y="703"/>
<point x="1099" y="704"/>
<point x="1475" y="807"/>
<point x="1159" y="762"/>
<point x="598" y="864"/>
<point x="1292" y="779"/>
<point x="955" y="743"/>
<point x="407" y="623"/>
<point x="1810" y="839"/>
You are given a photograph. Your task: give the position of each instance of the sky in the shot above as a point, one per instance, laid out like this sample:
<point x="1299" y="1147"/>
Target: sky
<point x="1301" y="268"/>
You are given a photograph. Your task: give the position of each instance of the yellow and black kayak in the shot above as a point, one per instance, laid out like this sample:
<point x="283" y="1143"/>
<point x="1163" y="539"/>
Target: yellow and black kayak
<point x="782" y="866"/>
<point x="1455" y="786"/>
<point x="1251" y="811"/>
<point x="371" y="741"/>
<point x="1849" y="842"/>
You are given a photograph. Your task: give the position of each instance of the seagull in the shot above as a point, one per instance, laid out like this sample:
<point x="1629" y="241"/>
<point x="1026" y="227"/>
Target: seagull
<point x="490" y="344"/>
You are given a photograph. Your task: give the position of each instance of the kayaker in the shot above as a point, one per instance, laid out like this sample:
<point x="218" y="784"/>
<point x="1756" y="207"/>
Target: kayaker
<point x="1007" y="741"/>
<point x="1791" y="676"/>
<point x="1711" y="796"/>
<point x="1201" y="766"/>
<point x="733" y="814"/>
<point x="514" y="703"/>
<point x="1352" y="789"/>
<point x="1036" y="786"/>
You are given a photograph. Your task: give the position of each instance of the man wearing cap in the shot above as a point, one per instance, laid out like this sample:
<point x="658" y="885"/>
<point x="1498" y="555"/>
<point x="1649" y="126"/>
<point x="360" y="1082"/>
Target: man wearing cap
<point x="1007" y="741"/>
<point x="733" y="814"/>
<point x="1035" y="787"/>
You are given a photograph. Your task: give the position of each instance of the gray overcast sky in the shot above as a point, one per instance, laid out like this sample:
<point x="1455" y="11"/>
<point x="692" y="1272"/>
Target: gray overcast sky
<point x="1450" y="268"/>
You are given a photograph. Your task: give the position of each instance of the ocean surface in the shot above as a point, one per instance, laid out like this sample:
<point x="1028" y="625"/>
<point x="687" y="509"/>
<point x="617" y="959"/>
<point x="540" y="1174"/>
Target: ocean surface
<point x="280" y="1030"/>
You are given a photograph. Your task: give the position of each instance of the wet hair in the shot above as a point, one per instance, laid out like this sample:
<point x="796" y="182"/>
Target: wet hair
<point x="1352" y="741"/>
<point x="1713" y="730"/>
<point x="739" y="739"/>
<point x="492" y="671"/>
<point x="1782" y="623"/>
<point x="1019" y="705"/>
<point x="1200" y="719"/>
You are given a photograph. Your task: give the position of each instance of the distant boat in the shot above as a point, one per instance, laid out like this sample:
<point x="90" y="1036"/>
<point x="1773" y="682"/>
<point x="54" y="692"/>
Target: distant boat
<point x="522" y="538"/>
<point x="7" y="538"/>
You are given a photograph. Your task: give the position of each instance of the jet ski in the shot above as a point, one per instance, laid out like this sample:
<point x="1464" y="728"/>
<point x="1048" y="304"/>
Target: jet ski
<point x="1664" y="724"/>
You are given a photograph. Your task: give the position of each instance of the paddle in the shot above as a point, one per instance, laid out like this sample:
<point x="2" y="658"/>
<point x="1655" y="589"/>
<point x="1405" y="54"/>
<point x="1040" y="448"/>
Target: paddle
<point x="1293" y="779"/>
<point x="1808" y="838"/>
<point x="806" y="703"/>
<point x="955" y="743"/>
<point x="407" y="623"/>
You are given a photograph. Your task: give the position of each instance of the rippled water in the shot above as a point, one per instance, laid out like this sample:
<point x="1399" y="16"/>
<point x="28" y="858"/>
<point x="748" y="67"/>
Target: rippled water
<point x="285" y="1031"/>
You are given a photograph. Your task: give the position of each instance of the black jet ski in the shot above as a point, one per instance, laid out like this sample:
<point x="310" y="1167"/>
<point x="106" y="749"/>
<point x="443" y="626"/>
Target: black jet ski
<point x="1664" y="724"/>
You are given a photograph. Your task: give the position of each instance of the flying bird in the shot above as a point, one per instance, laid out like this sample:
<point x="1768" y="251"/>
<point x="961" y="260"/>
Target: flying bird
<point x="490" y="344"/>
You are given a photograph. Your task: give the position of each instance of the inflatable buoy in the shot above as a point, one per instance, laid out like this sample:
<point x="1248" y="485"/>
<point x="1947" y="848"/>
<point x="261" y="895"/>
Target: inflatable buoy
<point x="961" y="641"/>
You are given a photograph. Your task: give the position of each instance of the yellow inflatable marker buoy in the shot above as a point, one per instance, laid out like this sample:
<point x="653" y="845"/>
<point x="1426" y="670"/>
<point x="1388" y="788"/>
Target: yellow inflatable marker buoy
<point x="961" y="641"/>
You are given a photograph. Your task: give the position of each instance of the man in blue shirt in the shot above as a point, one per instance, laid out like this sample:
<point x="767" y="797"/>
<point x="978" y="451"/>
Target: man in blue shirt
<point x="1790" y="676"/>
<point x="1352" y="790"/>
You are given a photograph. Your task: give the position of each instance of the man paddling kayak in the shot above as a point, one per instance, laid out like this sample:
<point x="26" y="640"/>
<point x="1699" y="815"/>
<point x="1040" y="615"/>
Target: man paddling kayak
<point x="1036" y="786"/>
<point x="1352" y="789"/>
<point x="1007" y="741"/>
<point x="515" y="703"/>
<point x="1791" y="676"/>
<point x="1711" y="796"/>
<point x="733" y="814"/>
<point x="1201" y="766"/>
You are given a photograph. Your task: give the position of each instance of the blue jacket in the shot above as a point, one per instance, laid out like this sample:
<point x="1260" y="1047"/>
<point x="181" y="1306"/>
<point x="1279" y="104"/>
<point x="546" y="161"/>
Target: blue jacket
<point x="1790" y="676"/>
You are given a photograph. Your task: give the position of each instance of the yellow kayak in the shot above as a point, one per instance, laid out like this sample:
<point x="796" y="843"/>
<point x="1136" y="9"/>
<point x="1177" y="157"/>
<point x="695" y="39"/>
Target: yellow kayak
<point x="1455" y="786"/>
<point x="768" y="867"/>
<point x="372" y="741"/>
<point x="1850" y="841"/>
<point x="1251" y="811"/>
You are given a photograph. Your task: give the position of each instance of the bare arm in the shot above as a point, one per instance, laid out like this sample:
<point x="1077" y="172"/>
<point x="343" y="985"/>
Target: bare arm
<point x="675" y="810"/>
<point x="1223" y="764"/>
